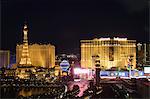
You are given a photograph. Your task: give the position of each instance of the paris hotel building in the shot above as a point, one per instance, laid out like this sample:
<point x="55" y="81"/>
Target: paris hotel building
<point x="40" y="54"/>
<point x="113" y="52"/>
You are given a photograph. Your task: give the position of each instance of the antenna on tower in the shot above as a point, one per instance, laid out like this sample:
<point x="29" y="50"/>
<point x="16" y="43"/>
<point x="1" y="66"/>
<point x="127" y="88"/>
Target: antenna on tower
<point x="25" y="21"/>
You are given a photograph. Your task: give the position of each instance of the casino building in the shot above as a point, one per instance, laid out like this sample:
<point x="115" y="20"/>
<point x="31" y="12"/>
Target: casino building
<point x="113" y="52"/>
<point x="4" y="58"/>
<point x="40" y="54"/>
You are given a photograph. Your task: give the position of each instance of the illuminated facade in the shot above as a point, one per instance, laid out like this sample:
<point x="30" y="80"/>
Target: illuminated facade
<point x="143" y="54"/>
<point x="4" y="58"/>
<point x="113" y="52"/>
<point x="41" y="54"/>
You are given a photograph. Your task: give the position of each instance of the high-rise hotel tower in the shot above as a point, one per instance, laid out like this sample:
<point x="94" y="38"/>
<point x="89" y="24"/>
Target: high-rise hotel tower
<point x="42" y="55"/>
<point x="113" y="52"/>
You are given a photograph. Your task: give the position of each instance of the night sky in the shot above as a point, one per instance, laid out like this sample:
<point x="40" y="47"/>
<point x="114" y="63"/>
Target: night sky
<point x="64" y="23"/>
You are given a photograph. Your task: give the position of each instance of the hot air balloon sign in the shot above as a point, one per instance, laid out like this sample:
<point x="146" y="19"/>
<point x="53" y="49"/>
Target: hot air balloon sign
<point x="64" y="65"/>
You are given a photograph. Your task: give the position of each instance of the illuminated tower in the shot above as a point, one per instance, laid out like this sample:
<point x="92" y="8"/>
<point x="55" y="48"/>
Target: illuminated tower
<point x="25" y="59"/>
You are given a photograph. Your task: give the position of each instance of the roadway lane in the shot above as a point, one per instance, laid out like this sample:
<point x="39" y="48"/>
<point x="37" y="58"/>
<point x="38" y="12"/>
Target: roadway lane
<point x="106" y="93"/>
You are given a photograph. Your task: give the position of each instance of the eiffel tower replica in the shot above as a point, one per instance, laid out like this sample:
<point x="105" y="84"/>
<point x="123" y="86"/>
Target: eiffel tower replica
<point x="25" y="58"/>
<point x="25" y="67"/>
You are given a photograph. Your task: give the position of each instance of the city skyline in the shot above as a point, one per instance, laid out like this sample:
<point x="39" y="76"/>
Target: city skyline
<point x="75" y="49"/>
<point x="65" y="23"/>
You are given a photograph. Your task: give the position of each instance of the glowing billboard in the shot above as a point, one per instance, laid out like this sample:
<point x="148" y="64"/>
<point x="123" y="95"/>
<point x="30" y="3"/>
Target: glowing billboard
<point x="147" y="70"/>
<point x="121" y="73"/>
<point x="81" y="71"/>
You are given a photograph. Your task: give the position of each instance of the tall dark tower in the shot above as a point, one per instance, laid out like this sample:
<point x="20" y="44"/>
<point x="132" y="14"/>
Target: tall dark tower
<point x="97" y="68"/>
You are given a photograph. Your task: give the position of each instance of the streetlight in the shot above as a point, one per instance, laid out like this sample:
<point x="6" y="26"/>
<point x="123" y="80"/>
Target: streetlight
<point x="130" y="58"/>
